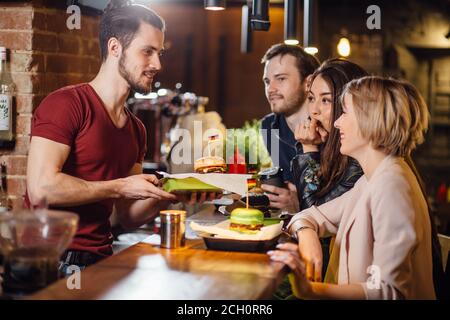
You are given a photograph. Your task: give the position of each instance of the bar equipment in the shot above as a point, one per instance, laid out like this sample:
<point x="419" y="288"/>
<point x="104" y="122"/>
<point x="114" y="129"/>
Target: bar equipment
<point x="32" y="243"/>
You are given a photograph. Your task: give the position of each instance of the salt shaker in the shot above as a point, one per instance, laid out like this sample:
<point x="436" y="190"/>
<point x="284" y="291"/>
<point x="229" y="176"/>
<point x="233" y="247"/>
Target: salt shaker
<point x="172" y="228"/>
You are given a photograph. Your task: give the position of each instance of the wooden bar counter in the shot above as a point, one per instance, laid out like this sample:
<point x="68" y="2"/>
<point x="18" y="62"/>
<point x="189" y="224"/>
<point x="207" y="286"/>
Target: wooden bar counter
<point x="145" y="271"/>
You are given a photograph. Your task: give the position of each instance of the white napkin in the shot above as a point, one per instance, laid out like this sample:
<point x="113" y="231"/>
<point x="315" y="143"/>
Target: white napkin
<point x="221" y="230"/>
<point x="154" y="239"/>
<point x="236" y="183"/>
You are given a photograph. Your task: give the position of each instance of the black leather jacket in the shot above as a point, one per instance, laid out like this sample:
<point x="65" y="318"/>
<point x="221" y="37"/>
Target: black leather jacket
<point x="305" y="168"/>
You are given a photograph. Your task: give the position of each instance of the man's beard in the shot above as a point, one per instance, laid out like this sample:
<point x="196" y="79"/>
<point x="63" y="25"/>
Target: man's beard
<point x="134" y="85"/>
<point x="292" y="106"/>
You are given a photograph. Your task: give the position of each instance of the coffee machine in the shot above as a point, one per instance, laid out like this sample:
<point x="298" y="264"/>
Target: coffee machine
<point x="161" y="111"/>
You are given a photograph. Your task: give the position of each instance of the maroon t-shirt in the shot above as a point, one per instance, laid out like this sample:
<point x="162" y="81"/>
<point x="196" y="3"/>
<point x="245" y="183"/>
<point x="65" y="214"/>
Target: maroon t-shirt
<point x="99" y="151"/>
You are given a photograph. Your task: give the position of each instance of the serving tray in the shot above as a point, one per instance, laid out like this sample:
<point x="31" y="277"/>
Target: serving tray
<point x="222" y="244"/>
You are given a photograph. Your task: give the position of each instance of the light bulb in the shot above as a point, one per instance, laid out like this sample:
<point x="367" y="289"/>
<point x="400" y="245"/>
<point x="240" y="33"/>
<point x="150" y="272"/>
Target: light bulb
<point x="343" y="47"/>
<point x="215" y="8"/>
<point x="215" y="5"/>
<point x="291" y="42"/>
<point x="311" y="50"/>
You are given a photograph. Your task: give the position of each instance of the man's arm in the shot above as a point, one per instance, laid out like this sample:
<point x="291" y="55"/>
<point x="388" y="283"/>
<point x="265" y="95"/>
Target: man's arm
<point x="46" y="182"/>
<point x="134" y="213"/>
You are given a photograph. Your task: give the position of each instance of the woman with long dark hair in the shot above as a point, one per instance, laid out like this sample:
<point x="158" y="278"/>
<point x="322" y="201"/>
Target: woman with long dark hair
<point x="320" y="171"/>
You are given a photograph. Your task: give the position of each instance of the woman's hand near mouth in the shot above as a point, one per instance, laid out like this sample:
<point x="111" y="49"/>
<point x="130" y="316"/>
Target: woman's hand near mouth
<point x="310" y="134"/>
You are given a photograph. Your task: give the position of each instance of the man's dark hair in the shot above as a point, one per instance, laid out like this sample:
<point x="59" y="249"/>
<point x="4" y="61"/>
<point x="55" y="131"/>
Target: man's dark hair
<point x="306" y="63"/>
<point x="122" y="19"/>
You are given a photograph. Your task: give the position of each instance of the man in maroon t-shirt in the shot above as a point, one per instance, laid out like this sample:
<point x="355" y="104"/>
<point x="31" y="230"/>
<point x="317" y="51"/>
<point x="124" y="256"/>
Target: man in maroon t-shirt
<point x="87" y="148"/>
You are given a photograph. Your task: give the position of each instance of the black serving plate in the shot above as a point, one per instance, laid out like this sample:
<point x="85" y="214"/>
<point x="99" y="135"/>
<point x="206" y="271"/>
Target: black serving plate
<point x="214" y="243"/>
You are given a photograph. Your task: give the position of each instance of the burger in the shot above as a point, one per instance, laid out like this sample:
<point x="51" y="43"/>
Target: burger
<point x="246" y="220"/>
<point x="211" y="164"/>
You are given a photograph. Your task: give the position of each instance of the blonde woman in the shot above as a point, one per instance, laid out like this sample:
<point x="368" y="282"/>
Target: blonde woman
<point x="383" y="247"/>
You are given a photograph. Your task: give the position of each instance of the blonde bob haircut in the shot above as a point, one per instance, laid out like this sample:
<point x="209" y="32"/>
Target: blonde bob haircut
<point x="391" y="114"/>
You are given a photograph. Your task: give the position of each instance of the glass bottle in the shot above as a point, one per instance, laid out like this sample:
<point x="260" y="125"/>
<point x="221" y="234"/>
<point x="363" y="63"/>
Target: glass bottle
<point x="6" y="102"/>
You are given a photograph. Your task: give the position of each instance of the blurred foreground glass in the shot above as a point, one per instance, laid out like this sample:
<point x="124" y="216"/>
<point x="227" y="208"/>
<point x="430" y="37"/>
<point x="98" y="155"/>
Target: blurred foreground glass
<point x="32" y="243"/>
<point x="173" y="228"/>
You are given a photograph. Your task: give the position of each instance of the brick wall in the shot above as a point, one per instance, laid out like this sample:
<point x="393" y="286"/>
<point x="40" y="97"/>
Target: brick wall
<point x="45" y="55"/>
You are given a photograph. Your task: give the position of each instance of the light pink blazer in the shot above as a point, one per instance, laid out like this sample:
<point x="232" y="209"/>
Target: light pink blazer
<point x="381" y="222"/>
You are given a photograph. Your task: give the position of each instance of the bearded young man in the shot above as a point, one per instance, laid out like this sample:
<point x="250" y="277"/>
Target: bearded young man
<point x="286" y="72"/>
<point x="87" y="148"/>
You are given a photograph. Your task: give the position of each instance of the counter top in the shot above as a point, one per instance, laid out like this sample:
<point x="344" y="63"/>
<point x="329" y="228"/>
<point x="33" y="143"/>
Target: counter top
<point x="146" y="271"/>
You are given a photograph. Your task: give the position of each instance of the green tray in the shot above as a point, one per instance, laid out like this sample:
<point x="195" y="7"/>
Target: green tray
<point x="188" y="185"/>
<point x="271" y="221"/>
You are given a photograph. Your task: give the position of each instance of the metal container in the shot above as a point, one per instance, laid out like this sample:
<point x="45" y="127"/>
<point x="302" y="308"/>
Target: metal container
<point x="272" y="176"/>
<point x="173" y="227"/>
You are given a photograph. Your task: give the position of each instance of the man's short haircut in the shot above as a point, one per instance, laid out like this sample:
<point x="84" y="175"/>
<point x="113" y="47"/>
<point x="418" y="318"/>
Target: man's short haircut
<point x="306" y="63"/>
<point x="391" y="114"/>
<point x="122" y="19"/>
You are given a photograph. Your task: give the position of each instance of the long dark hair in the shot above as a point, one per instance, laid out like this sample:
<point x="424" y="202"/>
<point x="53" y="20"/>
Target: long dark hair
<point x="122" y="19"/>
<point x="336" y="73"/>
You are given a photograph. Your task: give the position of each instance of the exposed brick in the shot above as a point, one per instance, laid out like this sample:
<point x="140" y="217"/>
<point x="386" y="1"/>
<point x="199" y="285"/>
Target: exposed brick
<point x="56" y="21"/>
<point x="15" y="19"/>
<point x="27" y="103"/>
<point x="70" y="79"/>
<point x="39" y="21"/>
<point x="16" y="6"/>
<point x="95" y="49"/>
<point x="69" y="44"/>
<point x="24" y="103"/>
<point x="94" y="65"/>
<point x="23" y="82"/>
<point x="84" y="46"/>
<point x="27" y="62"/>
<point x="38" y="83"/>
<point x="67" y="64"/>
<point x="51" y="82"/>
<point x="55" y="81"/>
<point x="22" y="145"/>
<point x="16" y="40"/>
<point x="56" y="57"/>
<point x="16" y="165"/>
<point x="16" y="186"/>
<point x="45" y="42"/>
<point x="41" y="5"/>
<point x="90" y="48"/>
<point x="80" y="65"/>
<point x="78" y="78"/>
<point x="27" y="83"/>
<point x="23" y="125"/>
<point x="95" y="31"/>
<point x="56" y="63"/>
<point x="90" y="26"/>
